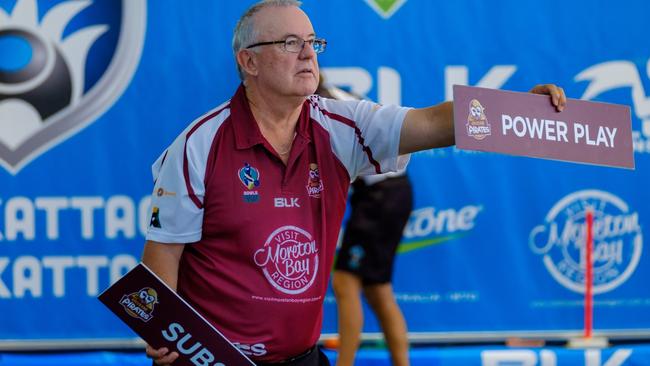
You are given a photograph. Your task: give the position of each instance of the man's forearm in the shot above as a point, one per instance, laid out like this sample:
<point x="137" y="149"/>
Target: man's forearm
<point x="163" y="259"/>
<point x="427" y="128"/>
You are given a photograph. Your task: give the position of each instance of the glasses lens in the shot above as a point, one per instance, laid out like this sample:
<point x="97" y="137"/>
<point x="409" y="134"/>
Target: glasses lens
<point x="319" y="45"/>
<point x="293" y="44"/>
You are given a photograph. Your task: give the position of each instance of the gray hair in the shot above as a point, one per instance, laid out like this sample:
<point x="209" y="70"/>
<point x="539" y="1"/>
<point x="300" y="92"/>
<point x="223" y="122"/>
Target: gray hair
<point x="245" y="32"/>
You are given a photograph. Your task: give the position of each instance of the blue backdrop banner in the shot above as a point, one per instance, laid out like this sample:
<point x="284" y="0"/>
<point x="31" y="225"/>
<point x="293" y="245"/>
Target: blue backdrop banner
<point x="91" y="92"/>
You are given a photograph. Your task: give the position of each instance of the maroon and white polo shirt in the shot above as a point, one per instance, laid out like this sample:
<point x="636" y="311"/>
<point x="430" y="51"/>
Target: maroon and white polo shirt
<point x="260" y="235"/>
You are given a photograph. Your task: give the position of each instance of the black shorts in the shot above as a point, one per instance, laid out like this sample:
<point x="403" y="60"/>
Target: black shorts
<point x="379" y="214"/>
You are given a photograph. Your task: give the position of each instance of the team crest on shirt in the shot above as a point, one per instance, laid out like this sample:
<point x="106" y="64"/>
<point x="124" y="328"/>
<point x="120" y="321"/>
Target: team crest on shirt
<point x="250" y="178"/>
<point x="289" y="259"/>
<point x="314" y="184"/>
<point x="140" y="304"/>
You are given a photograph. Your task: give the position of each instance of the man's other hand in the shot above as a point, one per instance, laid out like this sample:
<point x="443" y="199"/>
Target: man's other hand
<point x="161" y="356"/>
<point x="558" y="98"/>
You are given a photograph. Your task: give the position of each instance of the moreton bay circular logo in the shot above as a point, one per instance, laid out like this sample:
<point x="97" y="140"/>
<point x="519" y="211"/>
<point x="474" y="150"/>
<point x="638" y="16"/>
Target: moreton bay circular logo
<point x="617" y="240"/>
<point x="289" y="259"/>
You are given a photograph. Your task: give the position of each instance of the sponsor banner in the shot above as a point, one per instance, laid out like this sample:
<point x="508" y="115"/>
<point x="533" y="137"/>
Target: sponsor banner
<point x="554" y="357"/>
<point x="163" y="319"/>
<point x="527" y="124"/>
<point x="89" y="100"/>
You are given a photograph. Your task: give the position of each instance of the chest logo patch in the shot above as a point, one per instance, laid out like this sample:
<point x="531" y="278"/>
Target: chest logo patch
<point x="250" y="178"/>
<point x="314" y="184"/>
<point x="289" y="259"/>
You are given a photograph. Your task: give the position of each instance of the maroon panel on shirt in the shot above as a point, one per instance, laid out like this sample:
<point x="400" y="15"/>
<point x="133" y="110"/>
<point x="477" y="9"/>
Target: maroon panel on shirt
<point x="186" y="174"/>
<point x="527" y="124"/>
<point x="164" y="319"/>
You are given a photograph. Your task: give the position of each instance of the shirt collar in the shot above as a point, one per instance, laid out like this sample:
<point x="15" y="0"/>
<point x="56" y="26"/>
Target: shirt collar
<point x="247" y="132"/>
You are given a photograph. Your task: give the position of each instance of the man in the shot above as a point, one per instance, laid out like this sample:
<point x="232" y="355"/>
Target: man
<point x="253" y="193"/>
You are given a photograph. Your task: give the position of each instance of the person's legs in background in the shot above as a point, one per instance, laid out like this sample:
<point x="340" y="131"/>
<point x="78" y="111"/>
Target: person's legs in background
<point x="381" y="299"/>
<point x="365" y="265"/>
<point x="347" y="289"/>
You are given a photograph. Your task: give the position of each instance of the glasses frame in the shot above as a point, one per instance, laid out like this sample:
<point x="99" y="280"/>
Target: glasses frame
<point x="303" y="42"/>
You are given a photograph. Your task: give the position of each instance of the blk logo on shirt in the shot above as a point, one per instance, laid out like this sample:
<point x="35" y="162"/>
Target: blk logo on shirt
<point x="281" y="202"/>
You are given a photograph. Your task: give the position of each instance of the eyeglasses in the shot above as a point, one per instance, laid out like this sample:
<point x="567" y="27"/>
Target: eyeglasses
<point x="296" y="44"/>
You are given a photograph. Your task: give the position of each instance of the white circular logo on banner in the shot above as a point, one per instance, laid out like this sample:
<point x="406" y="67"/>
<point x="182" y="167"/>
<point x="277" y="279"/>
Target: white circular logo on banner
<point x="289" y="259"/>
<point x="617" y="240"/>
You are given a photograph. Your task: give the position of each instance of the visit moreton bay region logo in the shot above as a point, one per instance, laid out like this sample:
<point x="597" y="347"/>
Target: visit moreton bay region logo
<point x="314" y="183"/>
<point x="289" y="259"/>
<point x="62" y="64"/>
<point x="140" y="304"/>
<point x="477" y="123"/>
<point x="250" y="178"/>
<point x="617" y="240"/>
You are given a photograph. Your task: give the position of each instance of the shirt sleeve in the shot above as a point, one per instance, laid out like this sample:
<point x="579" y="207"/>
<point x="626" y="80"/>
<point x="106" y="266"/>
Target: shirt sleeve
<point x="364" y="135"/>
<point x="177" y="197"/>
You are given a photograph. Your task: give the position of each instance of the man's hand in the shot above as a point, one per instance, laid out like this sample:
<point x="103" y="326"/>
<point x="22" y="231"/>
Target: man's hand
<point x="161" y="356"/>
<point x="558" y="99"/>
